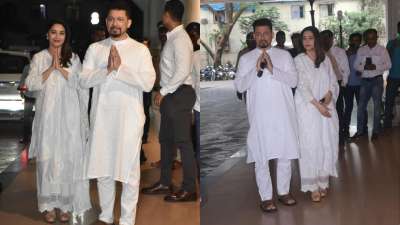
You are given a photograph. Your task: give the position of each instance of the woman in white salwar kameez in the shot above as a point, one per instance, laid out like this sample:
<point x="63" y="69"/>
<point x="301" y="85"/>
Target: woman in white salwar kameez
<point x="59" y="130"/>
<point x="318" y="123"/>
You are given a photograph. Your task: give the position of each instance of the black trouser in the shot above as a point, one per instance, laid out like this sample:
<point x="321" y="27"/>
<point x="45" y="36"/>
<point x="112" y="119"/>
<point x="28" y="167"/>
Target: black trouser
<point x="175" y="131"/>
<point x="340" y="111"/>
<point x="28" y="117"/>
<point x="146" y="107"/>
<point x="196" y="140"/>
<point x="350" y="93"/>
<point x="391" y="93"/>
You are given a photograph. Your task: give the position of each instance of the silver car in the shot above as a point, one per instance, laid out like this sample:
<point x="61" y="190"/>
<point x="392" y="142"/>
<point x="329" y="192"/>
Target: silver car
<point x="12" y="64"/>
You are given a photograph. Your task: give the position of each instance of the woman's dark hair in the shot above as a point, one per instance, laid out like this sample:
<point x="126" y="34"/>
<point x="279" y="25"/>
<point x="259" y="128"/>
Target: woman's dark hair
<point x="66" y="50"/>
<point x="317" y="45"/>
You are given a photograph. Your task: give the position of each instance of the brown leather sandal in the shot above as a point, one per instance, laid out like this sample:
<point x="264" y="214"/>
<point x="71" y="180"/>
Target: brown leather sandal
<point x="64" y="217"/>
<point x="315" y="196"/>
<point x="268" y="206"/>
<point x="324" y="192"/>
<point x="287" y="199"/>
<point x="50" y="216"/>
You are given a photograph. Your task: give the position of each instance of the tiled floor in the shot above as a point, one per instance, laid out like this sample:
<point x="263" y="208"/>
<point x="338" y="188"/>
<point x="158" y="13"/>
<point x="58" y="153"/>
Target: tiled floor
<point x="367" y="191"/>
<point x="18" y="205"/>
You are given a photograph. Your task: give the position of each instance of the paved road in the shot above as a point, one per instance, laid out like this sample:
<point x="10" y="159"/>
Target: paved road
<point x="10" y="148"/>
<point x="223" y="124"/>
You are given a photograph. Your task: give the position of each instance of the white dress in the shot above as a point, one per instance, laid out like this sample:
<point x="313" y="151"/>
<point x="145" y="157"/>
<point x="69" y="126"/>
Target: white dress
<point x="117" y="116"/>
<point x="270" y="106"/>
<point x="59" y="136"/>
<point x="319" y="135"/>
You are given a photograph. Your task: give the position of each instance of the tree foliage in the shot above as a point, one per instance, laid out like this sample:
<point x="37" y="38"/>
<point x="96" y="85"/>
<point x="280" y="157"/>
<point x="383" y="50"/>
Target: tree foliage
<point x="272" y="13"/>
<point x="370" y="17"/>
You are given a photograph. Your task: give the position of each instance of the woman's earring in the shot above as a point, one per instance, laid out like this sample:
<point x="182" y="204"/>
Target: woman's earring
<point x="47" y="37"/>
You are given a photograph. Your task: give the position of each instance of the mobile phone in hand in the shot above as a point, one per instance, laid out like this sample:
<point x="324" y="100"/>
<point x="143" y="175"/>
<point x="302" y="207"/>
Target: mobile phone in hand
<point x="368" y="61"/>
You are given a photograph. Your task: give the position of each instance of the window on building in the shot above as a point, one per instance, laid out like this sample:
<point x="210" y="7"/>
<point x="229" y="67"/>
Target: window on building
<point x="219" y="17"/>
<point x="326" y="10"/>
<point x="297" y="11"/>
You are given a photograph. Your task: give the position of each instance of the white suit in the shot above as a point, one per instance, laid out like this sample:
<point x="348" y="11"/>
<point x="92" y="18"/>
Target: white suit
<point x="318" y="135"/>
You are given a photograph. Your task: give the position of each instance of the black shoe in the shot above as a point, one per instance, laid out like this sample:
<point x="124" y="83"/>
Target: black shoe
<point x="181" y="196"/>
<point x="157" y="189"/>
<point x="358" y="135"/>
<point x="374" y="136"/>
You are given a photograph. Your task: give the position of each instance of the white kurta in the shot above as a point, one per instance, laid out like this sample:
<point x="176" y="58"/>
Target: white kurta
<point x="270" y="106"/>
<point x="59" y="136"/>
<point x="318" y="135"/>
<point x="117" y="115"/>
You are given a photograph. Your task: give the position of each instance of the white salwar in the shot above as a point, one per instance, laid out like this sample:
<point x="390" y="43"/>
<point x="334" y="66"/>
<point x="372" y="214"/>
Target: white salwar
<point x="60" y="130"/>
<point x="272" y="117"/>
<point x="319" y="139"/>
<point x="117" y="120"/>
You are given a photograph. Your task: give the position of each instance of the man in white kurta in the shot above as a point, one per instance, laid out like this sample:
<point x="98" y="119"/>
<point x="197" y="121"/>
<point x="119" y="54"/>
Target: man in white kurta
<point x="271" y="113"/>
<point x="117" y="116"/>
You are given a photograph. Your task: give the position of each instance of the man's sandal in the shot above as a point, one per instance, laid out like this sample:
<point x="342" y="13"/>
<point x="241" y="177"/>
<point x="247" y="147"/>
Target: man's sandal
<point x="287" y="199"/>
<point x="268" y="206"/>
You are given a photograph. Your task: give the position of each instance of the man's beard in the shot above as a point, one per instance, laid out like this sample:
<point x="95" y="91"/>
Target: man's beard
<point x="263" y="44"/>
<point x="115" y="32"/>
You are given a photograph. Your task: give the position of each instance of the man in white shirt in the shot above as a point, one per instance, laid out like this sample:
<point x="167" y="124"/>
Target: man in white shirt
<point x="176" y="99"/>
<point x="372" y="61"/>
<point x="340" y="66"/>
<point x="193" y="29"/>
<point x="268" y="74"/>
<point x="119" y="69"/>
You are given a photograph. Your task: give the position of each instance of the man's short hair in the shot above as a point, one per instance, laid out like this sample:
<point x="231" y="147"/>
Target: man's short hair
<point x="295" y="35"/>
<point x="175" y="8"/>
<point x="370" y="31"/>
<point x="327" y="33"/>
<point x="193" y="26"/>
<point x="280" y="33"/>
<point x="120" y="5"/>
<point x="356" y="34"/>
<point x="262" y="22"/>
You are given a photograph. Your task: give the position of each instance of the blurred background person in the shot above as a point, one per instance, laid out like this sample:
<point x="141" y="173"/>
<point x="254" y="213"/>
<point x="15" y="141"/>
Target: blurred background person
<point x="393" y="80"/>
<point x="280" y="39"/>
<point x="352" y="89"/>
<point x="250" y="45"/>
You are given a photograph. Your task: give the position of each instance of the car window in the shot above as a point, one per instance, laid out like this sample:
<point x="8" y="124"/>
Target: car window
<point x="12" y="63"/>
